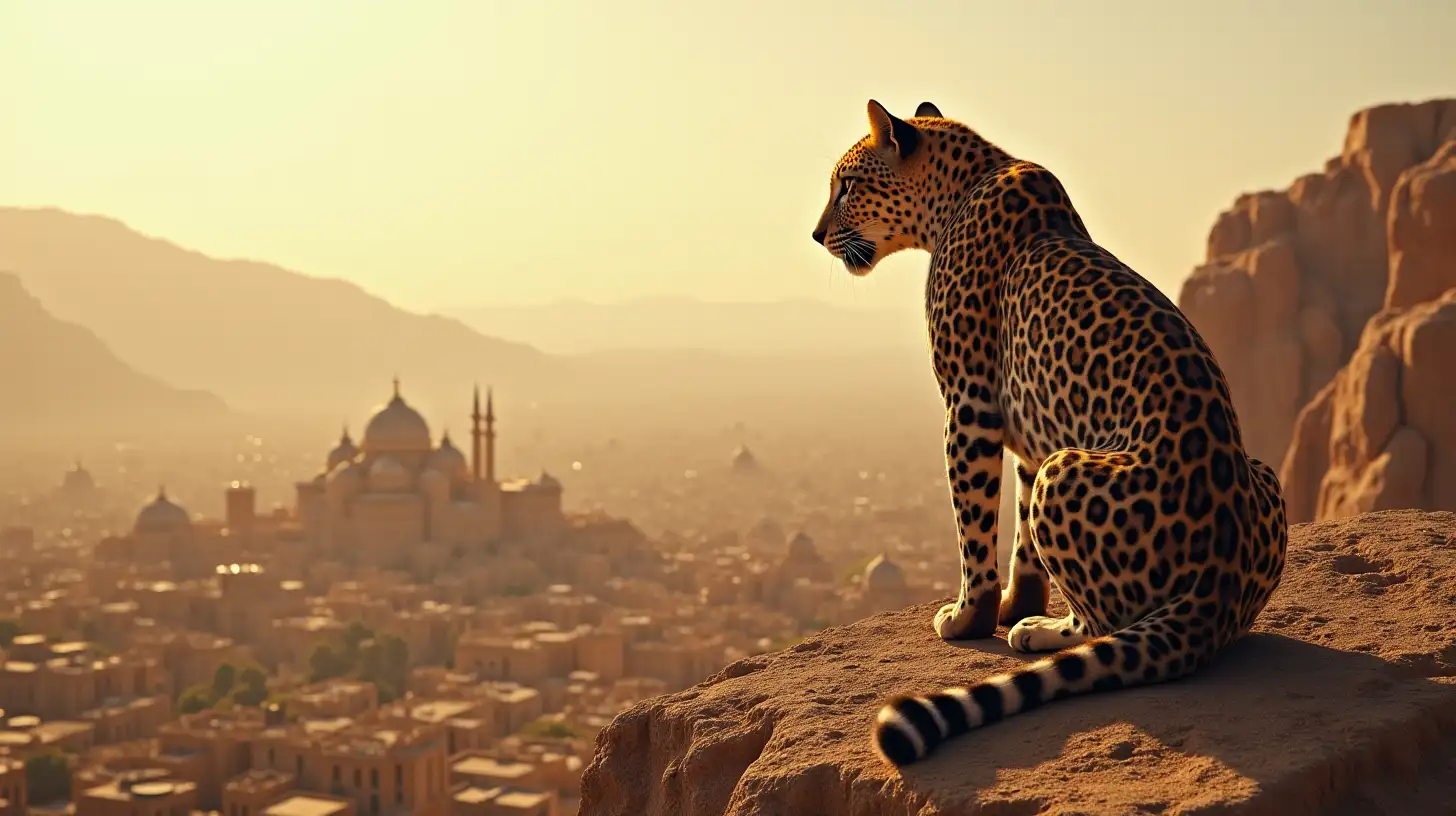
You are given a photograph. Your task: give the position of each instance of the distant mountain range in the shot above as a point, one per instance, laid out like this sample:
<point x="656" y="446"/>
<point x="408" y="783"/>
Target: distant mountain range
<point x="271" y="341"/>
<point x="785" y="327"/>
<point x="55" y="374"/>
<point x="265" y="338"/>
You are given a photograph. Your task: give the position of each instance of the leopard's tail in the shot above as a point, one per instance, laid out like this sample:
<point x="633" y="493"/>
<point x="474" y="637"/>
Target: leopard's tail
<point x="1155" y="649"/>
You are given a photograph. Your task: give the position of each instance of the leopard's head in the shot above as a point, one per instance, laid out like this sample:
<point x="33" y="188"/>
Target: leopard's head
<point x="877" y="203"/>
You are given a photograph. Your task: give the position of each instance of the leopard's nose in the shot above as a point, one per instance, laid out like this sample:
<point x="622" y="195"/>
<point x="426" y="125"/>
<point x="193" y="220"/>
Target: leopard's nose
<point x="819" y="236"/>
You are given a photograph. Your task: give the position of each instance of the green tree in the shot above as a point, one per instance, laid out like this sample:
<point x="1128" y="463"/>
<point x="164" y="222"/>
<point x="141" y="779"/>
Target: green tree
<point x="322" y="663"/>
<point x="354" y="636"/>
<point x="197" y="698"/>
<point x="545" y="728"/>
<point x="251" y="688"/>
<point x="371" y="663"/>
<point x="48" y="776"/>
<point x="223" y="680"/>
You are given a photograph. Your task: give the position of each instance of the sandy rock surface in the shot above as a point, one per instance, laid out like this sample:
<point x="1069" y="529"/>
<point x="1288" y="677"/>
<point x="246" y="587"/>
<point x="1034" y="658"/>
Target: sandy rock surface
<point x="1343" y="702"/>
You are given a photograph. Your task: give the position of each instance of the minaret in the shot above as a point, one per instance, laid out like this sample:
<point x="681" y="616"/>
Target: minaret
<point x="490" y="435"/>
<point x="475" y="437"/>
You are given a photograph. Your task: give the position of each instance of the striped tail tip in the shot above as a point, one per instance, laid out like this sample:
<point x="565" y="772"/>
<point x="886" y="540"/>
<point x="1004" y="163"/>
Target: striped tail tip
<point x="908" y="729"/>
<point x="895" y="741"/>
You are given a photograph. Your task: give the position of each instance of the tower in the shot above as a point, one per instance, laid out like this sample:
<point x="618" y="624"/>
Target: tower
<point x="475" y="437"/>
<point x="489" y="435"/>
<point x="486" y="434"/>
<point x="242" y="503"/>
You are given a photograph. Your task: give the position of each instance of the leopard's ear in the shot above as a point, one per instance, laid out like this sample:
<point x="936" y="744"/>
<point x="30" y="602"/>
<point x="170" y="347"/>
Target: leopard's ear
<point x="928" y="109"/>
<point x="892" y="136"/>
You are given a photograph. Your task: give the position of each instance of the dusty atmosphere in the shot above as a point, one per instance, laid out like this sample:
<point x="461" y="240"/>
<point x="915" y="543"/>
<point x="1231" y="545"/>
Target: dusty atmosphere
<point x="632" y="409"/>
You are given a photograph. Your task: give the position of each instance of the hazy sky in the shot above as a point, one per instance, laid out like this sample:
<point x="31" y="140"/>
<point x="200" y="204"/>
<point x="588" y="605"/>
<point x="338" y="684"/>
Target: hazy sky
<point x="484" y="151"/>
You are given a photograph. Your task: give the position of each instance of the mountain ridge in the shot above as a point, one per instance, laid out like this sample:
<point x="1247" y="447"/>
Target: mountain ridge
<point x="58" y="373"/>
<point x="265" y="337"/>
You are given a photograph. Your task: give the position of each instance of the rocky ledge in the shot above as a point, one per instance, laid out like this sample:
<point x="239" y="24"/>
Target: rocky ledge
<point x="1343" y="701"/>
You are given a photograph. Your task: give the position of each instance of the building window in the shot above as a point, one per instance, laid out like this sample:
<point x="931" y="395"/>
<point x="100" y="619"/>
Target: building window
<point x="338" y="773"/>
<point x="358" y="779"/>
<point x="374" y="778"/>
<point x="298" y="766"/>
<point x="373" y="803"/>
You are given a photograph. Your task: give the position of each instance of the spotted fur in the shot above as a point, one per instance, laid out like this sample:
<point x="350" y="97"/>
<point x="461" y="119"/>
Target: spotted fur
<point x="1136" y="499"/>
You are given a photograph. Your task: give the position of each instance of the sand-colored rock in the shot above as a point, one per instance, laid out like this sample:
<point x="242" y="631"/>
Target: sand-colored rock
<point x="1343" y="702"/>
<point x="1291" y="277"/>
<point x="1422" y="231"/>
<point x="1382" y="434"/>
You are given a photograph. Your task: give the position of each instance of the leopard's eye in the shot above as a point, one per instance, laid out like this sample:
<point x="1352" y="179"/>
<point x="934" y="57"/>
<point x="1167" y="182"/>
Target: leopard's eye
<point x="844" y="186"/>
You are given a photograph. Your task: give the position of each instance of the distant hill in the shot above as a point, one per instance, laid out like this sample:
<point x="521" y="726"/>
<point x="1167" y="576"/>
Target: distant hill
<point x="265" y="338"/>
<point x="268" y="340"/>
<point x="55" y="374"/>
<point x="787" y="326"/>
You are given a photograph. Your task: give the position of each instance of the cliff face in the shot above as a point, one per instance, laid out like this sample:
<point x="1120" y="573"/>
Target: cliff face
<point x="1344" y="701"/>
<point x="1292" y="277"/>
<point x="1382" y="434"/>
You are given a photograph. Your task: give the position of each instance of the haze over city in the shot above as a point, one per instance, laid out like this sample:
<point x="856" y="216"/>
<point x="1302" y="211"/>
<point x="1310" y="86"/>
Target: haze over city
<point x="443" y="408"/>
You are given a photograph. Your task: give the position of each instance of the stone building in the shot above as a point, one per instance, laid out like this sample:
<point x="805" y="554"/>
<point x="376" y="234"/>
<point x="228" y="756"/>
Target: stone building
<point x="399" y="499"/>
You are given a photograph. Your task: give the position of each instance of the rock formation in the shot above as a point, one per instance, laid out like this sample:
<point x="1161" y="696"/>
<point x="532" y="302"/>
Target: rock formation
<point x="1292" y="277"/>
<point x="1382" y="434"/>
<point x="1343" y="701"/>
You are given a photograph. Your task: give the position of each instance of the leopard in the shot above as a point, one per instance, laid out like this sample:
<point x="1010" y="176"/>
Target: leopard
<point x="1136" y="500"/>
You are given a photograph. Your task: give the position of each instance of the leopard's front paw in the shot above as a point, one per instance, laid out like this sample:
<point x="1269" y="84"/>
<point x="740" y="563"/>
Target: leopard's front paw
<point x="1042" y="634"/>
<point x="967" y="620"/>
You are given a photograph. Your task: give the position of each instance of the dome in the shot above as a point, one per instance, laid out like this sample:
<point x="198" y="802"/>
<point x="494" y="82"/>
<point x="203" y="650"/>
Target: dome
<point x="78" y="480"/>
<point x="435" y="484"/>
<point x="547" y="482"/>
<point x="743" y="459"/>
<point x="387" y="475"/>
<point x="396" y="428"/>
<point x="448" y="459"/>
<point x="342" y="452"/>
<point x="801" y="547"/>
<point x="344" y="479"/>
<point x="883" y="575"/>
<point x="162" y="516"/>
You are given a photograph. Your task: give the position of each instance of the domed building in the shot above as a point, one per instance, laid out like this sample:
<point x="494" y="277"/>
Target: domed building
<point x="796" y="577"/>
<point x="884" y="585"/>
<point x="163" y="533"/>
<point x="397" y="429"/>
<point x="744" y="461"/>
<point x="78" y="480"/>
<point x="343" y="452"/>
<point x="162" y="517"/>
<point x="398" y="497"/>
<point x="78" y="489"/>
